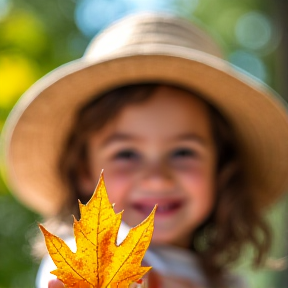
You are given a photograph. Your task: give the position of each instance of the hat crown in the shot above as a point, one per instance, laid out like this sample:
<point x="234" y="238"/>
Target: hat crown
<point x="150" y="29"/>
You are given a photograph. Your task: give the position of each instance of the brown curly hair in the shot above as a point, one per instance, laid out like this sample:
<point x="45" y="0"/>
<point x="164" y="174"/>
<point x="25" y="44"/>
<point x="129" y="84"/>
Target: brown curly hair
<point x="234" y="222"/>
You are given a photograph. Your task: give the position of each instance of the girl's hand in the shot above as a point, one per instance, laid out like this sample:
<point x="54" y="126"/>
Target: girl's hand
<point x="55" y="284"/>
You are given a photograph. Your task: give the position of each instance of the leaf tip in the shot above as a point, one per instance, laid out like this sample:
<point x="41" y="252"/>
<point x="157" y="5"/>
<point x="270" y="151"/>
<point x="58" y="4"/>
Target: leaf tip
<point x="152" y="214"/>
<point x="154" y="209"/>
<point x="41" y="227"/>
<point x="44" y="231"/>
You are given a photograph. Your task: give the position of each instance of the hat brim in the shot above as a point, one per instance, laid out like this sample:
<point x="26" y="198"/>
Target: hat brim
<point x="38" y="126"/>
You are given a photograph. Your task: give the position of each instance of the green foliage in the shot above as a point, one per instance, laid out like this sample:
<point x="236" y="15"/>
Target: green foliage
<point x="35" y="37"/>
<point x="17" y="268"/>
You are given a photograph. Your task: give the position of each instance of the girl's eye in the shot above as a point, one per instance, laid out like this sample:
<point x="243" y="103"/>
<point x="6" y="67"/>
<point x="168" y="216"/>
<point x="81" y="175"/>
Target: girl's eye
<point x="126" y="155"/>
<point x="184" y="153"/>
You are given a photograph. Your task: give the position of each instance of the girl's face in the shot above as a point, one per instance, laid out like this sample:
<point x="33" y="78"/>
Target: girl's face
<point x="158" y="152"/>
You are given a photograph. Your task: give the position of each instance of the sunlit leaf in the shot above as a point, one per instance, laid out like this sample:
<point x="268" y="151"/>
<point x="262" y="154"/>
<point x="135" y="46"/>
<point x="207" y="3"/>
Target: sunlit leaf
<point x="98" y="261"/>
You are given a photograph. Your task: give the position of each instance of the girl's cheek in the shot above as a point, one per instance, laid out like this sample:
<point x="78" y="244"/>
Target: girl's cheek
<point x="199" y="169"/>
<point x="191" y="172"/>
<point x="119" y="187"/>
<point x="196" y="179"/>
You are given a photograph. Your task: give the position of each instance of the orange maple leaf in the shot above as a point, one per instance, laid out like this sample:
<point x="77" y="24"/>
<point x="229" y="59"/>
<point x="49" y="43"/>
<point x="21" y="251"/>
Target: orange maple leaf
<point x="99" y="262"/>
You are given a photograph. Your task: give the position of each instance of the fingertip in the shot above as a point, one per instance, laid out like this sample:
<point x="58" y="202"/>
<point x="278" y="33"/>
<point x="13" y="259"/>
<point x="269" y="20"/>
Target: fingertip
<point x="153" y="279"/>
<point x="55" y="283"/>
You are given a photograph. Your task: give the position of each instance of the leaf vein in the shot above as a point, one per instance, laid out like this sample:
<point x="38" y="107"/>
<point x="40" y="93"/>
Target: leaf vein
<point x="131" y="252"/>
<point x="76" y="272"/>
<point x="97" y="240"/>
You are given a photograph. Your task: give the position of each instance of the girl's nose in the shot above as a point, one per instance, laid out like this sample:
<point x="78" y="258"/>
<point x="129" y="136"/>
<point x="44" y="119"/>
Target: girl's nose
<point x="157" y="177"/>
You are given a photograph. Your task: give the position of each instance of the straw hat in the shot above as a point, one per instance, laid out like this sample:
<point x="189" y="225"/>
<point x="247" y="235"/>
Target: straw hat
<point x="145" y="47"/>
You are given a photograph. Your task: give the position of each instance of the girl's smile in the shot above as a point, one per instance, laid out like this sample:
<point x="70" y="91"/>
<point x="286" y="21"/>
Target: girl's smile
<point x="165" y="207"/>
<point x="160" y="151"/>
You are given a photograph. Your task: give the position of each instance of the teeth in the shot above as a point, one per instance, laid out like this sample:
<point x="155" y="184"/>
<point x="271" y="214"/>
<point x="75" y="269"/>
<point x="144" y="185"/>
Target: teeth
<point x="164" y="208"/>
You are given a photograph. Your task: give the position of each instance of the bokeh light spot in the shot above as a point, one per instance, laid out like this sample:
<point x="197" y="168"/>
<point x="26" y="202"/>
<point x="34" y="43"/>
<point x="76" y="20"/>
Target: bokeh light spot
<point x="17" y="74"/>
<point x="254" y="30"/>
<point x="150" y="5"/>
<point x="5" y="7"/>
<point x="93" y="16"/>
<point x="26" y="31"/>
<point x="250" y="63"/>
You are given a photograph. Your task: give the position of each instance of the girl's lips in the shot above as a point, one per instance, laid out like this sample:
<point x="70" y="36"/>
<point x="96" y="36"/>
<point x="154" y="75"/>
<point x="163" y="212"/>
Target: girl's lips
<point x="165" y="208"/>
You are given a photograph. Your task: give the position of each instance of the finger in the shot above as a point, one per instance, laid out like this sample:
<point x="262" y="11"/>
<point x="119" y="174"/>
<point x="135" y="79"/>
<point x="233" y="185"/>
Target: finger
<point x="153" y="279"/>
<point x="55" y="284"/>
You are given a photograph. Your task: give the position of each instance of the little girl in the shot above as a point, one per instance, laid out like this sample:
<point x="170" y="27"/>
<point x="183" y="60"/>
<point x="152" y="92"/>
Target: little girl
<point x="153" y="104"/>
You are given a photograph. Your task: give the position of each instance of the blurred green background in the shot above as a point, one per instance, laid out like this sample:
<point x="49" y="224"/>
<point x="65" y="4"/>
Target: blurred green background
<point x="36" y="36"/>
